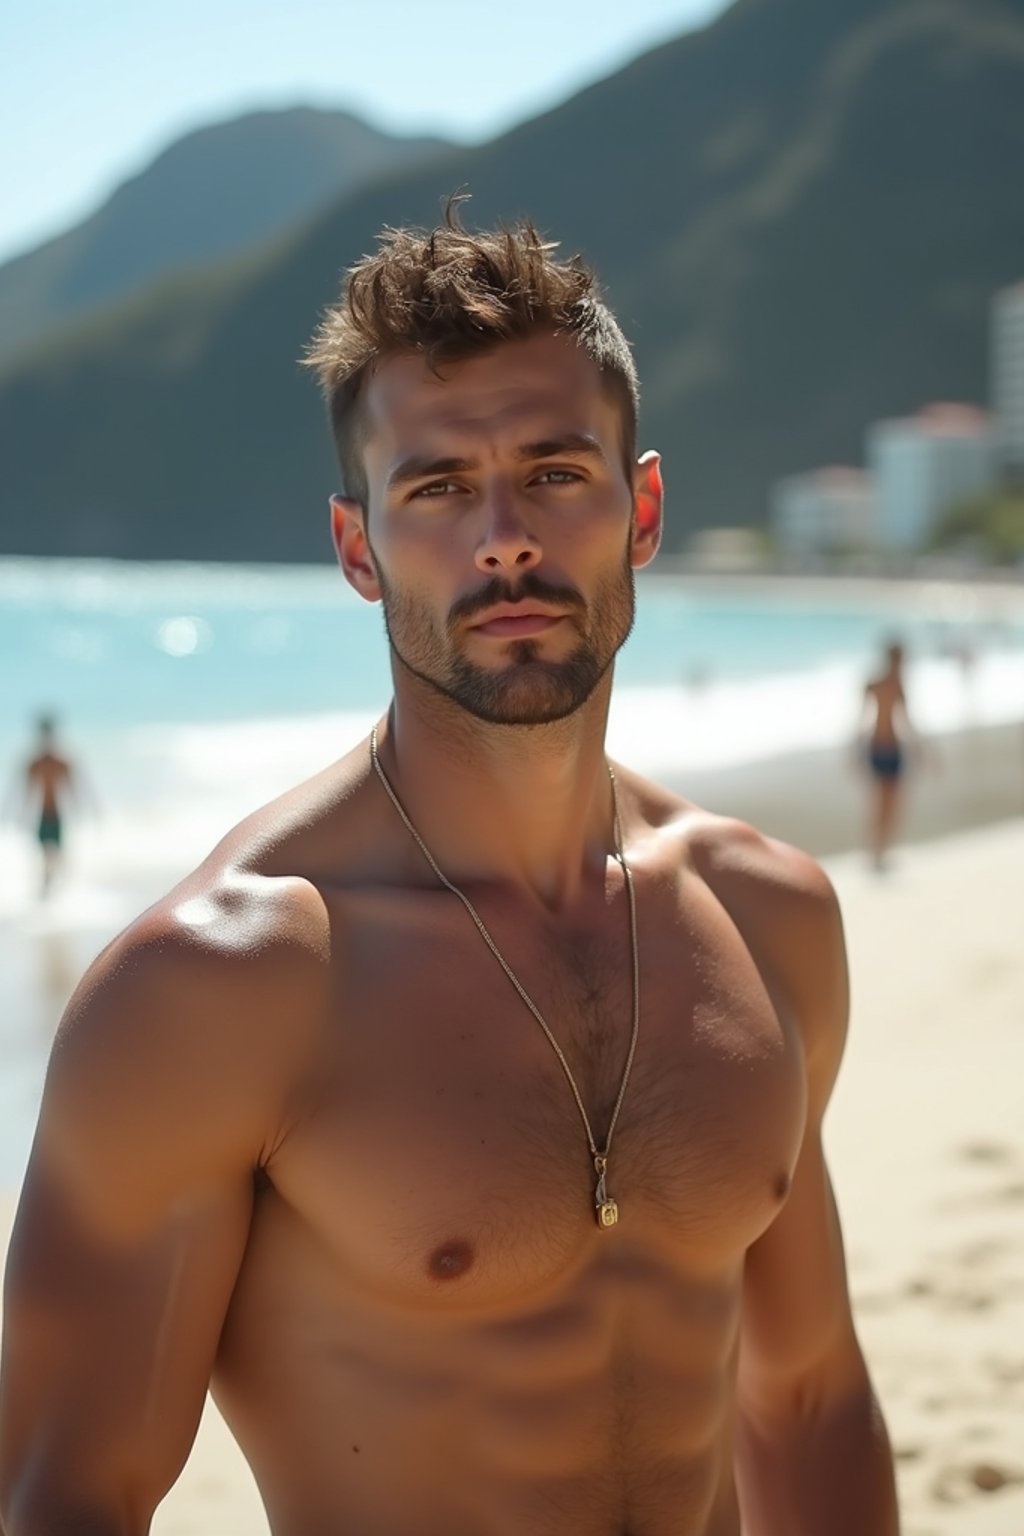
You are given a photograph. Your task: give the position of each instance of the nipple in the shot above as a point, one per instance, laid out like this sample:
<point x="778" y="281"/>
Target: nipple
<point x="780" y="1187"/>
<point x="451" y="1260"/>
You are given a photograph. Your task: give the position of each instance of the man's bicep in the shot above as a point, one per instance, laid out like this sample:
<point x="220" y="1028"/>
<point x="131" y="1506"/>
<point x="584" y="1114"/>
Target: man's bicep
<point x="797" y="1331"/>
<point x="108" y="1345"/>
<point x="131" y="1228"/>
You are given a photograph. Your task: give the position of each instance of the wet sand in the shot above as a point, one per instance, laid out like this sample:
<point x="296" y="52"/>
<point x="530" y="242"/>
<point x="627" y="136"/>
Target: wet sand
<point x="817" y="799"/>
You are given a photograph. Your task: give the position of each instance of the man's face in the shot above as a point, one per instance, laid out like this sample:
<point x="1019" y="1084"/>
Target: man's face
<point x="499" y="529"/>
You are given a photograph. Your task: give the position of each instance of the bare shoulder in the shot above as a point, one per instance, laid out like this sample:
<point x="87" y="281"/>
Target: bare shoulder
<point x="782" y="904"/>
<point x="243" y="934"/>
<point x="786" y="909"/>
<point x="742" y="863"/>
<point x="238" y="953"/>
<point x="223" y="927"/>
<point x="184" y="1033"/>
<point x="728" y="852"/>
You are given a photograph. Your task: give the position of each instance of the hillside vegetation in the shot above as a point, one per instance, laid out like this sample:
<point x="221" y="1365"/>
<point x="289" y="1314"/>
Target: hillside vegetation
<point x="799" y="212"/>
<point x="215" y="193"/>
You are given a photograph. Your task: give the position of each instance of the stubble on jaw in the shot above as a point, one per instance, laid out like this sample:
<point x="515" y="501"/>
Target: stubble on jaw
<point x="527" y="690"/>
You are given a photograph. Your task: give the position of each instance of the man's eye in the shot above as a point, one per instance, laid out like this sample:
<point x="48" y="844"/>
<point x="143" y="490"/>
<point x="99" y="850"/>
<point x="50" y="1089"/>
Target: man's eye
<point x="437" y="488"/>
<point x="558" y="477"/>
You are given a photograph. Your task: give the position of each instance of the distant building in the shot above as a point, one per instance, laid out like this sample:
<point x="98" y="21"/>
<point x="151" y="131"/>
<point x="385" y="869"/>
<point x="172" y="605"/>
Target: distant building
<point x="923" y="465"/>
<point x="1007" y="363"/>
<point x="726" y="549"/>
<point x="828" y="511"/>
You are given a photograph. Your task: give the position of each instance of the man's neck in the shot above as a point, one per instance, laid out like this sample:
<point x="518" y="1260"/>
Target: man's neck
<point x="528" y="807"/>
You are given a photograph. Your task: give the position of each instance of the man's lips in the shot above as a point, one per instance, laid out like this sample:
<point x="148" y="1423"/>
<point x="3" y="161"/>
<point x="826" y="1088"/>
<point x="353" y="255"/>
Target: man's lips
<point x="517" y="621"/>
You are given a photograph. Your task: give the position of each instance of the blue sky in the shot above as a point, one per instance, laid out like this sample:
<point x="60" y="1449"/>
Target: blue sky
<point x="92" y="91"/>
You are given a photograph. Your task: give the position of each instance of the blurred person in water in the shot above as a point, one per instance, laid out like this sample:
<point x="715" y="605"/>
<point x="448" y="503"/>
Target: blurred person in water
<point x="47" y="785"/>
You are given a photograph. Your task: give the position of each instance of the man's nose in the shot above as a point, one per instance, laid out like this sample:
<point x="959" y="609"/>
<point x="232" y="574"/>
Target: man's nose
<point x="509" y="541"/>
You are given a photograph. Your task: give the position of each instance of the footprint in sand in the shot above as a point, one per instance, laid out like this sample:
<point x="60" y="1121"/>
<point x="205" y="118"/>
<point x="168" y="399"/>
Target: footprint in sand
<point x="919" y="1287"/>
<point x="969" y="1301"/>
<point x="958" y="1483"/>
<point x="1008" y="1373"/>
<point x="974" y="1200"/>
<point x="986" y="1152"/>
<point x="981" y="1254"/>
<point x="992" y="969"/>
<point x="952" y="1297"/>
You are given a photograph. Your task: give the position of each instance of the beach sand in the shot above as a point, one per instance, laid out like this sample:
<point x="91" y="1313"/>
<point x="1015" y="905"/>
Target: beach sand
<point x="926" y="1143"/>
<point x="817" y="799"/>
<point x="925" y="1138"/>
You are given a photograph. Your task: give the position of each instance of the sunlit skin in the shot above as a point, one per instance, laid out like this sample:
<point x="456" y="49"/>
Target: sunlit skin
<point x="302" y="1137"/>
<point x="528" y="486"/>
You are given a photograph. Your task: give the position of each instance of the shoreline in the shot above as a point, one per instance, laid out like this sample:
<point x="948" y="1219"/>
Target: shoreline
<point x="998" y="593"/>
<point x="1002" y="583"/>
<point x="818" y="799"/>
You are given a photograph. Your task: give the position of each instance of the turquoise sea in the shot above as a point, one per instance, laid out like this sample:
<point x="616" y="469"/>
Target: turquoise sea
<point x="116" y="645"/>
<point x="190" y="694"/>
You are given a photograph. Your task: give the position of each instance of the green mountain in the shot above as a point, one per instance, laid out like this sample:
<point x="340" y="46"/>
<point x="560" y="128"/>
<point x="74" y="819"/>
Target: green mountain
<point x="799" y="212"/>
<point x="214" y="193"/>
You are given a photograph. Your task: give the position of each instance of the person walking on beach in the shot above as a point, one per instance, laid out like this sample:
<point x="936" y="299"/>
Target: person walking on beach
<point x="48" y="784"/>
<point x="885" y="705"/>
<point x="459" y="1118"/>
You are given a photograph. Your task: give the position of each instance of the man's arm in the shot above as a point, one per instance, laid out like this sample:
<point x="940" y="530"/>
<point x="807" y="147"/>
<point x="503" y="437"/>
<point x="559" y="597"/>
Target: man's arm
<point x="813" y="1457"/>
<point x="813" y="1454"/>
<point x="160" y="1102"/>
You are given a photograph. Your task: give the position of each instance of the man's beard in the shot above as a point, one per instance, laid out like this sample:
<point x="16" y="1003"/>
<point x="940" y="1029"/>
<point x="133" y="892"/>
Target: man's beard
<point x="522" y="689"/>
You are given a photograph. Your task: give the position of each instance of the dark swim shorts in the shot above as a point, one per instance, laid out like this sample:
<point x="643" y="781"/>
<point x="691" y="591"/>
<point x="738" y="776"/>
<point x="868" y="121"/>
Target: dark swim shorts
<point x="886" y="762"/>
<point x="49" y="829"/>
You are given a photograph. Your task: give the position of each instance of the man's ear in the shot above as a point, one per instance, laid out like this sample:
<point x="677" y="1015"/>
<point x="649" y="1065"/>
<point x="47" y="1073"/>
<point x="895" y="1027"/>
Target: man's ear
<point x="648" y="506"/>
<point x="348" y="530"/>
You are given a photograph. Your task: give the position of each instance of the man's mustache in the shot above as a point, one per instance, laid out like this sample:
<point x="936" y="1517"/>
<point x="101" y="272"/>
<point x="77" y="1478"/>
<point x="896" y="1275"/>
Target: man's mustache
<point x="498" y="590"/>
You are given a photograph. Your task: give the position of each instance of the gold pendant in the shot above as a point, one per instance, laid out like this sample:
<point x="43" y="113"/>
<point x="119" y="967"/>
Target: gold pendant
<point x="606" y="1211"/>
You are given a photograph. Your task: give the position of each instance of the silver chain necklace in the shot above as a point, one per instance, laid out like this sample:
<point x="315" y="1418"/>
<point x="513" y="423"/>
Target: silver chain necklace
<point x="606" y="1209"/>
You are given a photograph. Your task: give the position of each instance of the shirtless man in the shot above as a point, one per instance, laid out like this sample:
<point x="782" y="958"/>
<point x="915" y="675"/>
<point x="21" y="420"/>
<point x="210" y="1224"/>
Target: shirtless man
<point x="48" y="781"/>
<point x="305" y="1141"/>
<point x="888" y="727"/>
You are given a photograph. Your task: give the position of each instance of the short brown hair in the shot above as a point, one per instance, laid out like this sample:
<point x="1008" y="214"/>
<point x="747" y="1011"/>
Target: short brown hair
<point x="449" y="294"/>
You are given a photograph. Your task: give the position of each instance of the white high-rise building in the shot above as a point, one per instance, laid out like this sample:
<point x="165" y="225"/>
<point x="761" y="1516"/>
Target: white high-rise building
<point x="923" y="465"/>
<point x="1007" y="364"/>
<point x="829" y="511"/>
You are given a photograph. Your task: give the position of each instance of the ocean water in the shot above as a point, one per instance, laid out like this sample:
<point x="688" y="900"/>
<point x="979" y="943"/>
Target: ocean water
<point x="191" y="693"/>
<point x="188" y="695"/>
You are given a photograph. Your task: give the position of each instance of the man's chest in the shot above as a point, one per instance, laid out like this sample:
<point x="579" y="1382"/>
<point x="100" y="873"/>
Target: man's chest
<point x="437" y="1144"/>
